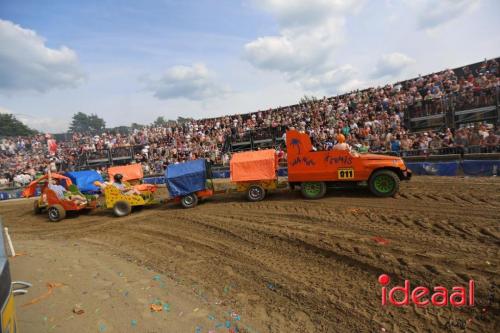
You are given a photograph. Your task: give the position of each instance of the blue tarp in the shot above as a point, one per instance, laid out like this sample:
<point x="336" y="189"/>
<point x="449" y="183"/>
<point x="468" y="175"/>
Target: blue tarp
<point x="154" y="180"/>
<point x="434" y="169"/>
<point x="481" y="167"/>
<point x="85" y="179"/>
<point x="186" y="178"/>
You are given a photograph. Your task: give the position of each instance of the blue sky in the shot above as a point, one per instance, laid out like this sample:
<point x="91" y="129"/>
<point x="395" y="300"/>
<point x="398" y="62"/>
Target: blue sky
<point x="132" y="61"/>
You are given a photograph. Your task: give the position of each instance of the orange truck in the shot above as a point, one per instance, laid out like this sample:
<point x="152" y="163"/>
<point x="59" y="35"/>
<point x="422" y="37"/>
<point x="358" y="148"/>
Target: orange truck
<point x="314" y="171"/>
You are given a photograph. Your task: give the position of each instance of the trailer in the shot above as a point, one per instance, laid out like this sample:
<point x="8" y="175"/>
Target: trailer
<point x="255" y="173"/>
<point x="189" y="182"/>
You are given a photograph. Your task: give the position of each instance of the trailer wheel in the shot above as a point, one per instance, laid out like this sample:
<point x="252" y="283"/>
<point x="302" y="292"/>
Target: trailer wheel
<point x="256" y="193"/>
<point x="313" y="190"/>
<point x="56" y="213"/>
<point x="189" y="201"/>
<point x="36" y="207"/>
<point x="122" y="208"/>
<point x="384" y="183"/>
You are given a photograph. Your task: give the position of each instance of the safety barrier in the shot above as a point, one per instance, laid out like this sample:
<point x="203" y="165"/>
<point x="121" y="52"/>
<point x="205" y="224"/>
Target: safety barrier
<point x="472" y="168"/>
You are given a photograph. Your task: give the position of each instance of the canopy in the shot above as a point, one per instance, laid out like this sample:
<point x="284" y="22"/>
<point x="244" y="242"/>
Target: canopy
<point x="85" y="179"/>
<point x="30" y="190"/>
<point x="129" y="172"/>
<point x="254" y="165"/>
<point x="185" y="178"/>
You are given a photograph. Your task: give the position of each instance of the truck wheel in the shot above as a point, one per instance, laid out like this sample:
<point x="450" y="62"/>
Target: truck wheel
<point x="189" y="201"/>
<point x="36" y="207"/>
<point x="56" y="213"/>
<point x="313" y="190"/>
<point x="122" y="208"/>
<point x="256" y="193"/>
<point x="384" y="183"/>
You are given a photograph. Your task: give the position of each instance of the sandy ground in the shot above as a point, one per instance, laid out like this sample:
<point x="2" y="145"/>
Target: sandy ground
<point x="114" y="294"/>
<point x="281" y="265"/>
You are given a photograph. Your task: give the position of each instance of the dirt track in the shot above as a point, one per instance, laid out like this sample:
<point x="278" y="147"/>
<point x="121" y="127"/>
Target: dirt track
<point x="292" y="265"/>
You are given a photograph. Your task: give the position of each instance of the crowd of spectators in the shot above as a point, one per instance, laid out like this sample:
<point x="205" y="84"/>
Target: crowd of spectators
<point x="372" y="120"/>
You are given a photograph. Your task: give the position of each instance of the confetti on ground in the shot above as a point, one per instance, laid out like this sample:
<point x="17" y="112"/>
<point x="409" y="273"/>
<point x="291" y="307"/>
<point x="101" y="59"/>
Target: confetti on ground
<point x="51" y="286"/>
<point x="155" y="307"/>
<point x="380" y="240"/>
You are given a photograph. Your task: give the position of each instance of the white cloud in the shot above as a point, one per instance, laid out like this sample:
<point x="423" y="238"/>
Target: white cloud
<point x="339" y="80"/>
<point x="307" y="12"/>
<point x="43" y="124"/>
<point x="392" y="65"/>
<point x="310" y="33"/>
<point x="27" y="64"/>
<point x="194" y="82"/>
<point x="431" y="13"/>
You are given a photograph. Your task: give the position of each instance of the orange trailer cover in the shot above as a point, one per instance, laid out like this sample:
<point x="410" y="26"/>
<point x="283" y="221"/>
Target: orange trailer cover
<point x="254" y="165"/>
<point x="129" y="172"/>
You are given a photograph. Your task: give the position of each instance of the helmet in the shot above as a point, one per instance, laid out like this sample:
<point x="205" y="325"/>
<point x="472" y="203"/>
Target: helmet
<point x="340" y="138"/>
<point x="118" y="177"/>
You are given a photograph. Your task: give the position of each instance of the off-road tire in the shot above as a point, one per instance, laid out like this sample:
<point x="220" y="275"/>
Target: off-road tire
<point x="122" y="208"/>
<point x="56" y="213"/>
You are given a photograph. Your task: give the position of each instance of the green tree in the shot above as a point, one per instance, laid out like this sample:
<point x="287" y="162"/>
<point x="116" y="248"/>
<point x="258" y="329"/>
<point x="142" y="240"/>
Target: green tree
<point x="83" y="123"/>
<point x="10" y="126"/>
<point x="182" y="120"/>
<point x="124" y="130"/>
<point x="307" y="99"/>
<point x="160" y="121"/>
<point x="136" y="126"/>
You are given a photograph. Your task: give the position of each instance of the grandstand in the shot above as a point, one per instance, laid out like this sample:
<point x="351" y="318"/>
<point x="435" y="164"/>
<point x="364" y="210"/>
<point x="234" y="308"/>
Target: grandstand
<point x="452" y="112"/>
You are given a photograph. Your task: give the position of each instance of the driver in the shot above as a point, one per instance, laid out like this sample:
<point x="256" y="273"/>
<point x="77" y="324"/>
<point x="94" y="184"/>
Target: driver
<point x="62" y="193"/>
<point x="118" y="183"/>
<point x="341" y="144"/>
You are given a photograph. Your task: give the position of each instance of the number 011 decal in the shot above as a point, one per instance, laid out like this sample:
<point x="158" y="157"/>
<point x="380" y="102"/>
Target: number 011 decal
<point x="345" y="173"/>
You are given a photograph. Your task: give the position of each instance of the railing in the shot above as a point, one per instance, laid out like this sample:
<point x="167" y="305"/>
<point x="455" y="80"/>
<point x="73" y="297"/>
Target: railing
<point x="453" y="109"/>
<point x="474" y="99"/>
<point x="445" y="151"/>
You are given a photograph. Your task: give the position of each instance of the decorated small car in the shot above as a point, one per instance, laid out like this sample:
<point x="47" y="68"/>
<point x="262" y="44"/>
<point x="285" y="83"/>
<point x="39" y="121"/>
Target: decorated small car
<point x="58" y="195"/>
<point x="125" y="189"/>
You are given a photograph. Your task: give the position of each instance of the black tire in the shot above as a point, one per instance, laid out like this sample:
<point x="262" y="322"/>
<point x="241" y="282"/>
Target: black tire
<point x="313" y="190"/>
<point x="189" y="201"/>
<point x="384" y="183"/>
<point x="256" y="193"/>
<point x="36" y="207"/>
<point x="122" y="208"/>
<point x="56" y="213"/>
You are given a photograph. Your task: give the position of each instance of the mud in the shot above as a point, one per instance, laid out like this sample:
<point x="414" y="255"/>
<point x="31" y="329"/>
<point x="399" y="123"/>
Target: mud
<point x="291" y="265"/>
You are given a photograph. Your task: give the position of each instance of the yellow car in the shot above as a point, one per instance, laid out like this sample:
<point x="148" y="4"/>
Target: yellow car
<point x="122" y="204"/>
